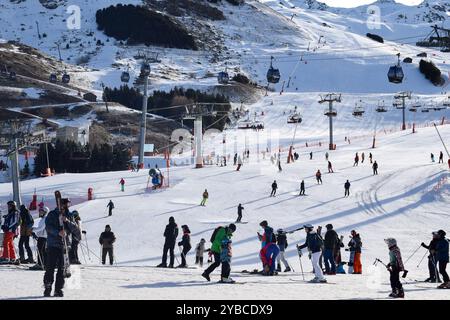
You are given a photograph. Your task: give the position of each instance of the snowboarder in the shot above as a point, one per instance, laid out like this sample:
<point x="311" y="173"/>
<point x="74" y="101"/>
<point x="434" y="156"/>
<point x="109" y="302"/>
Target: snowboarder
<point x="441" y="157"/>
<point x="106" y="240"/>
<point x="375" y="168"/>
<point x="330" y="167"/>
<point x="110" y="207"/>
<point x="432" y="157"/>
<point x="40" y="235"/>
<point x="362" y="157"/>
<point x="170" y="234"/>
<point x="310" y="155"/>
<point x="314" y="244"/>
<point x="302" y="188"/>
<point x="330" y="244"/>
<point x="355" y="244"/>
<point x="74" y="216"/>
<point x="205" y="197"/>
<point x="282" y="245"/>
<point x="225" y="259"/>
<point x="219" y="234"/>
<point x="239" y="212"/>
<point x="356" y="160"/>
<point x="274" y="188"/>
<point x="122" y="185"/>
<point x="186" y="244"/>
<point x="319" y="177"/>
<point x="395" y="266"/>
<point x="239" y="163"/>
<point x="26" y="227"/>
<point x="370" y="157"/>
<point x="442" y="258"/>
<point x="347" y="189"/>
<point x="58" y="236"/>
<point x="10" y="228"/>
<point x="432" y="262"/>
<point x="199" y="251"/>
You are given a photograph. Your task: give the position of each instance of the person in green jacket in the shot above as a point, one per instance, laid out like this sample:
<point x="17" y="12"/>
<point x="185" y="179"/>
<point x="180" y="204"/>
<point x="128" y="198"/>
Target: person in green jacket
<point x="222" y="233"/>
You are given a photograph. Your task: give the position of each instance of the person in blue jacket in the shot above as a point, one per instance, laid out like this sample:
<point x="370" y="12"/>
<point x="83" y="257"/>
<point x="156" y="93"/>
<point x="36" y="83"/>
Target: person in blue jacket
<point x="314" y="243"/>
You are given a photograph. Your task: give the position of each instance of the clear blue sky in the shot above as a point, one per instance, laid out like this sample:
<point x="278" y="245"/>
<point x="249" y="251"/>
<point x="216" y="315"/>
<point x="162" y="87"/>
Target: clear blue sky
<point x="355" y="3"/>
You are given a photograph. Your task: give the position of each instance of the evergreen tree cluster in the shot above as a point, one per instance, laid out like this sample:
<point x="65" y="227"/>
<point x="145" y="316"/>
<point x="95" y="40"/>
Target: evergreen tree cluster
<point x="75" y="158"/>
<point x="375" y="37"/>
<point x="143" y="26"/>
<point x="431" y="72"/>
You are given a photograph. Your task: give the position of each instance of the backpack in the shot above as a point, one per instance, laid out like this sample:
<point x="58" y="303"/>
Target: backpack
<point x="214" y="234"/>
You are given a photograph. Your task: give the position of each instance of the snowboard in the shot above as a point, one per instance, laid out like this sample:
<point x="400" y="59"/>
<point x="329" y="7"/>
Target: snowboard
<point x="67" y="273"/>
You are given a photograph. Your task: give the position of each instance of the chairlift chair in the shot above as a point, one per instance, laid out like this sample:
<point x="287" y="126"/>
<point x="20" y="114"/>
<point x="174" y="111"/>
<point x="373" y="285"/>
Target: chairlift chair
<point x="53" y="78"/>
<point x="65" y="78"/>
<point x="12" y="76"/>
<point x="273" y="75"/>
<point x="328" y="113"/>
<point x="395" y="73"/>
<point x="295" y="118"/>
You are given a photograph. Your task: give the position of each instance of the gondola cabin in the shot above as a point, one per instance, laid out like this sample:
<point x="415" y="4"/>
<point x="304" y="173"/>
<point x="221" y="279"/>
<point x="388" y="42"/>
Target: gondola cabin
<point x="395" y="73"/>
<point x="223" y="77"/>
<point x="65" y="78"/>
<point x="53" y="78"/>
<point x="273" y="75"/>
<point x="145" y="69"/>
<point x="125" y="77"/>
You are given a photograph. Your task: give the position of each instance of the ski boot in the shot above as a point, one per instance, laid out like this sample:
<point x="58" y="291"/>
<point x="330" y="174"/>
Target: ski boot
<point x="288" y="269"/>
<point x="206" y="276"/>
<point x="182" y="266"/>
<point x="23" y="260"/>
<point x="4" y="261"/>
<point x="48" y="290"/>
<point x="15" y="262"/>
<point x="58" y="293"/>
<point x="161" y="265"/>
<point x="445" y="285"/>
<point x="36" y="267"/>
<point x="278" y="268"/>
<point x="227" y="280"/>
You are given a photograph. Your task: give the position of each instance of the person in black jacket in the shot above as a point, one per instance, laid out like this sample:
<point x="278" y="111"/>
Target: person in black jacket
<point x="432" y="263"/>
<point x="171" y="234"/>
<point x="186" y="244"/>
<point x="110" y="207"/>
<point x="239" y="210"/>
<point x="106" y="240"/>
<point x="26" y="226"/>
<point x="331" y="241"/>
<point x="302" y="188"/>
<point x="274" y="188"/>
<point x="347" y="189"/>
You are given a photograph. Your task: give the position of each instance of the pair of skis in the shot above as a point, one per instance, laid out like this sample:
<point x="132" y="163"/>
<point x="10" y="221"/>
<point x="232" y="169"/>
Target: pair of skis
<point x="67" y="273"/>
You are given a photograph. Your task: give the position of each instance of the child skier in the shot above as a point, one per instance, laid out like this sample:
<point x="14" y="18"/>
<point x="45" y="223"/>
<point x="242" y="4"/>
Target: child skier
<point x="205" y="197"/>
<point x="199" y="251"/>
<point x="395" y="266"/>
<point x="186" y="244"/>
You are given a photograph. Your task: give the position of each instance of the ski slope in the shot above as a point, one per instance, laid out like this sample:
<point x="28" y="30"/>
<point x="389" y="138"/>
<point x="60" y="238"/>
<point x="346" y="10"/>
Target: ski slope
<point x="407" y="200"/>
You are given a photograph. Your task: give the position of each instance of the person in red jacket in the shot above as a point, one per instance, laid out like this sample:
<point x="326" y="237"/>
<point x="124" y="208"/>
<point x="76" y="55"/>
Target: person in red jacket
<point x="10" y="228"/>
<point x="122" y="185"/>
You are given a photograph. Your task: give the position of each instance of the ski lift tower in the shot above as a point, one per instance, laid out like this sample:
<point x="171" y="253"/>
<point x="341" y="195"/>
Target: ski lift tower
<point x="19" y="134"/>
<point x="145" y="72"/>
<point x="330" y="112"/>
<point x="403" y="96"/>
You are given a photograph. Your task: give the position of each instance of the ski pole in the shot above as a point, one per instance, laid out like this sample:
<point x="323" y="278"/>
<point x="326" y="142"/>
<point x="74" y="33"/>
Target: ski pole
<point x="88" y="250"/>
<point x="413" y="254"/>
<point x="101" y="254"/>
<point x="84" y="256"/>
<point x="38" y="254"/>
<point x="422" y="259"/>
<point x="300" y="258"/>
<point x="87" y="245"/>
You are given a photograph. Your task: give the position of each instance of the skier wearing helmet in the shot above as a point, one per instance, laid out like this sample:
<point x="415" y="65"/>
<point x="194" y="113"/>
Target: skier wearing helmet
<point x="40" y="235"/>
<point x="10" y="228"/>
<point x="395" y="266"/>
<point x="442" y="258"/>
<point x="314" y="243"/>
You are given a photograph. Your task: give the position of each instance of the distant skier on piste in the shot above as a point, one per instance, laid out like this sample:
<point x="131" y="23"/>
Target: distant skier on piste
<point x="205" y="196"/>
<point x="110" y="207"/>
<point x="219" y="235"/>
<point x="170" y="235"/>
<point x="362" y="157"/>
<point x="122" y="185"/>
<point x="302" y="188"/>
<point x="239" y="212"/>
<point x="185" y="243"/>
<point x="274" y="188"/>
<point x="356" y="160"/>
<point x="319" y="177"/>
<point x="330" y="167"/>
<point x="441" y="157"/>
<point x="347" y="189"/>
<point x="314" y="244"/>
<point x="375" y="168"/>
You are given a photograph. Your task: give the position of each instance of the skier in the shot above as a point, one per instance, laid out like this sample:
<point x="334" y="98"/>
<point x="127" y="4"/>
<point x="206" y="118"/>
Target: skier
<point x="356" y="160"/>
<point x="56" y="246"/>
<point x="122" y="185"/>
<point x="26" y="226"/>
<point x="314" y="244"/>
<point x="110" y="207"/>
<point x="186" y="244"/>
<point x="199" y="251"/>
<point x="370" y="157"/>
<point x="170" y="234"/>
<point x="235" y="159"/>
<point x="205" y="197"/>
<point x="279" y="166"/>
<point x="268" y="235"/>
<point x="326" y="156"/>
<point x="10" y="229"/>
<point x="330" y="244"/>
<point x="310" y="155"/>
<point x="432" y="157"/>
<point x="375" y="168"/>
<point x="106" y="240"/>
<point x="347" y="189"/>
<point x="282" y="245"/>
<point x="362" y="157"/>
<point x="302" y="188"/>
<point x="441" y="157"/>
<point x="330" y="167"/>
<point x="268" y="255"/>
<point x="395" y="266"/>
<point x="319" y="177"/>
<point x="225" y="259"/>
<point x="355" y="244"/>
<point x="442" y="258"/>
<point x="432" y="262"/>
<point x="338" y="256"/>
<point x="76" y="238"/>
<point x="239" y="211"/>
<point x="239" y="163"/>
<point x="40" y="235"/>
<point x="274" y="188"/>
<point x="219" y="234"/>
